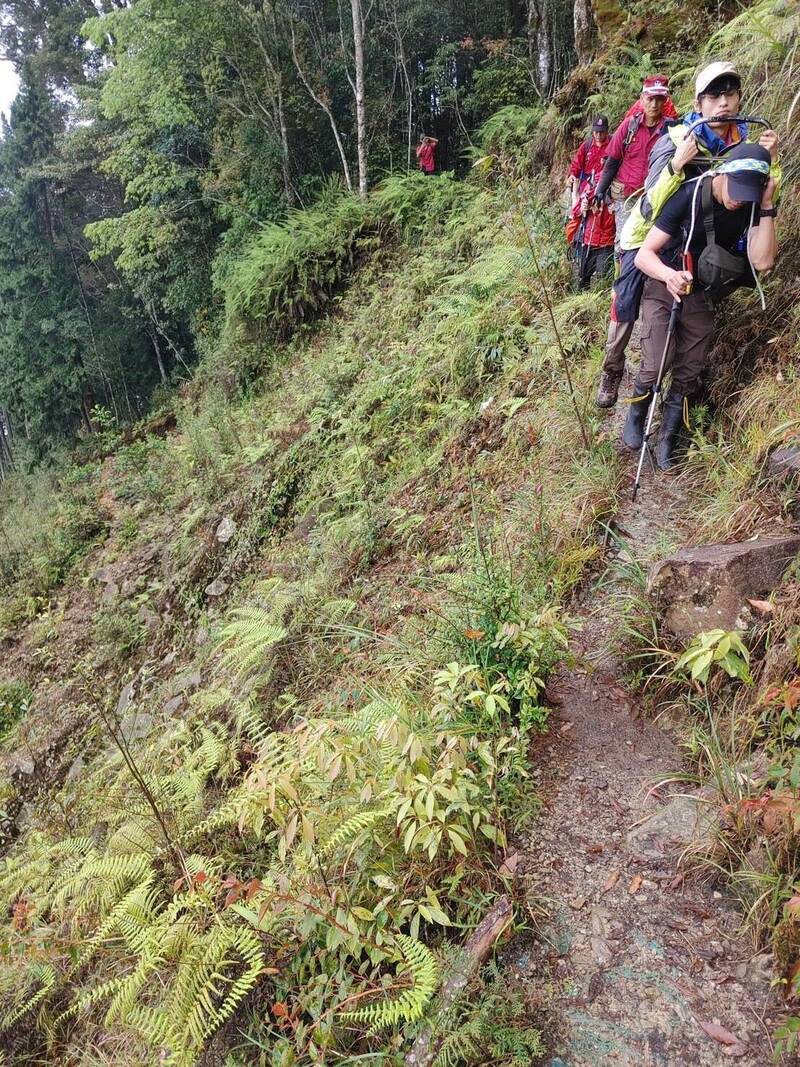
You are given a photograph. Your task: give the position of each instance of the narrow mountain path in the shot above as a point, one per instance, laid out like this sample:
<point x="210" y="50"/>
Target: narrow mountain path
<point x="640" y="952"/>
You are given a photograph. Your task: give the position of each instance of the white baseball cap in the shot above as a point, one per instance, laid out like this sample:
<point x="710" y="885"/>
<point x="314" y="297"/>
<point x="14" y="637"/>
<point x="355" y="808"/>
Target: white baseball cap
<point x="710" y="73"/>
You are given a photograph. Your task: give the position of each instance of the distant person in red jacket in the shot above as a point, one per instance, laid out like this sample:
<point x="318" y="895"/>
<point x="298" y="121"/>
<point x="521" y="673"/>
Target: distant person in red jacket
<point x="628" y="151"/>
<point x="591" y="226"/>
<point x="426" y="155"/>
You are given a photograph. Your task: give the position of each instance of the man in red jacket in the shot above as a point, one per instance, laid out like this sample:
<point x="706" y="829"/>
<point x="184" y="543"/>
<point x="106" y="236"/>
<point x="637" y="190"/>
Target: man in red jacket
<point x="591" y="224"/>
<point x="426" y="155"/>
<point x="625" y="168"/>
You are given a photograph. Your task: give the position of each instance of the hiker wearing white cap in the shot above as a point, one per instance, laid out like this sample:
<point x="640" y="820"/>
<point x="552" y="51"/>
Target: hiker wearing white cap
<point x="676" y="156"/>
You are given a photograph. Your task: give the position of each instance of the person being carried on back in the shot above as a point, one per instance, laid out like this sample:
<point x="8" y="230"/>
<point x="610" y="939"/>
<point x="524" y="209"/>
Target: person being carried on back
<point x="712" y="236"/>
<point x="675" y="157"/>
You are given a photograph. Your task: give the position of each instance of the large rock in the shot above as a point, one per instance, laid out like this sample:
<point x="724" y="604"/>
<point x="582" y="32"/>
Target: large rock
<point x="784" y="464"/>
<point x="683" y="820"/>
<point x="706" y="588"/>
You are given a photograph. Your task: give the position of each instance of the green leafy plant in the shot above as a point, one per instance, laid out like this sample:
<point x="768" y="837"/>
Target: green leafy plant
<point x="716" y="649"/>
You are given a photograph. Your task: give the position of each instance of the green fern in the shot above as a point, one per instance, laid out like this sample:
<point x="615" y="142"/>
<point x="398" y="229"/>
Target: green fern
<point x="354" y="826"/>
<point x="42" y="975"/>
<point x="253" y="630"/>
<point x="420" y="965"/>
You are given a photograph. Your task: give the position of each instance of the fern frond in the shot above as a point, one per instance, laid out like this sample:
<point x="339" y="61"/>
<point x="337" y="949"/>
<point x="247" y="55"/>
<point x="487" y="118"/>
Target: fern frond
<point x="44" y="974"/>
<point x="352" y="827"/>
<point x="420" y="963"/>
<point x="252" y="630"/>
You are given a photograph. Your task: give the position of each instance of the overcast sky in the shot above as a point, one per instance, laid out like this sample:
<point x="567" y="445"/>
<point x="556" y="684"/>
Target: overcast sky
<point x="8" y="86"/>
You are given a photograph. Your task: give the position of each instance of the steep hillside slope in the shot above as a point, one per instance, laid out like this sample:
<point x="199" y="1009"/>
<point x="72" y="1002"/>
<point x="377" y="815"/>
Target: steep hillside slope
<point x="279" y="664"/>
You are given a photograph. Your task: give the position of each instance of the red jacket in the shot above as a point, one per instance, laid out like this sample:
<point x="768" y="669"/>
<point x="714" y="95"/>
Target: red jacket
<point x="425" y="158"/>
<point x="599" y="229"/>
<point x="588" y="160"/>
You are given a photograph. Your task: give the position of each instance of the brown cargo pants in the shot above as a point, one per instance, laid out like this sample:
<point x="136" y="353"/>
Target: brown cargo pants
<point x="692" y="341"/>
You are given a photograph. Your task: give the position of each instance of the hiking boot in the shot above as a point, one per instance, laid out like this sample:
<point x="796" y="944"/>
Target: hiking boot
<point x="671" y="420"/>
<point x="608" y="389"/>
<point x="633" y="431"/>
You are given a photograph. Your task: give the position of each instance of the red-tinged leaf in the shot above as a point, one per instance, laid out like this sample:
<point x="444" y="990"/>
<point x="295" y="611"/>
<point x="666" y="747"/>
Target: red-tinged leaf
<point x="279" y="1010"/>
<point x="200" y="878"/>
<point x="764" y="606"/>
<point x="254" y="887"/>
<point x="636" y="884"/>
<point x="719" y="1033"/>
<point x="177" y="884"/>
<point x="792" y="988"/>
<point x="474" y="635"/>
<point x="233" y="895"/>
<point x="229" y="881"/>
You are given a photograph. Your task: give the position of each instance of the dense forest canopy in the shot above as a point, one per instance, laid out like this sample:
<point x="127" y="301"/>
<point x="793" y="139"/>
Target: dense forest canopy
<point x="149" y="140"/>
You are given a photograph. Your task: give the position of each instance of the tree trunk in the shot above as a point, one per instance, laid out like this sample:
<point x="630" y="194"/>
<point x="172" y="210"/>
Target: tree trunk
<point x="318" y="100"/>
<point x="585" y="30"/>
<point x="361" y="114"/>
<point x="159" y="357"/>
<point x="288" y="190"/>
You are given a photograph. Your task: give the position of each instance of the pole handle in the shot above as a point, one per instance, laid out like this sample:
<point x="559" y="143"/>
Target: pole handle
<point x="751" y="120"/>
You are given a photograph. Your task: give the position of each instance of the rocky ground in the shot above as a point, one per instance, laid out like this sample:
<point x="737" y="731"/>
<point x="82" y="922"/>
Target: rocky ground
<point x="645" y="955"/>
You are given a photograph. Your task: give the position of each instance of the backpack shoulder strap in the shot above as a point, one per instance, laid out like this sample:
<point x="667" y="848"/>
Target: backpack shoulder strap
<point x="634" y="122"/>
<point x="707" y="206"/>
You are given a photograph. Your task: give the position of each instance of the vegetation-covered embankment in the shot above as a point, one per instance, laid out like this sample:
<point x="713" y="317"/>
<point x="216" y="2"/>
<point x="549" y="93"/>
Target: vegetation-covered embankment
<point x="275" y="657"/>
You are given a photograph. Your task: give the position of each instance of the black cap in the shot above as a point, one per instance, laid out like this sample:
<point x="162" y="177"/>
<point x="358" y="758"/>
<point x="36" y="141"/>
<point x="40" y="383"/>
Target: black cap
<point x="746" y="183"/>
<point x="600" y="124"/>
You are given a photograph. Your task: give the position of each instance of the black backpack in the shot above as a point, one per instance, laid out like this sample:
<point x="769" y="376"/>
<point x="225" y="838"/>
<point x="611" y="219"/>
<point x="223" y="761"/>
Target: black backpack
<point x="719" y="271"/>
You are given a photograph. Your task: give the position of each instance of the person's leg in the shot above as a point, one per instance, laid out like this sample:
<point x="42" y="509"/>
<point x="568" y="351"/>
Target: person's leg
<point x="625" y="300"/>
<point x="656" y="307"/>
<point x="601" y="262"/>
<point x="694" y="333"/>
<point x="587" y="257"/>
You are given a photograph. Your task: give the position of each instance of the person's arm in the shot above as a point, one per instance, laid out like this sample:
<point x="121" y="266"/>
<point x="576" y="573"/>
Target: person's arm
<point x="419" y="149"/>
<point x="613" y="161"/>
<point x="678" y="282"/>
<point x="762" y="245"/>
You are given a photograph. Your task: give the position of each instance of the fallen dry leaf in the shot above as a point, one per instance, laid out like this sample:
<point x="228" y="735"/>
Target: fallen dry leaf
<point x="764" y="606"/>
<point x="792" y="907"/>
<point x="719" y="1033"/>
<point x="567" y="726"/>
<point x="636" y="884"/>
<point x="510" y="863"/>
<point x="474" y="635"/>
<point x="612" y="880"/>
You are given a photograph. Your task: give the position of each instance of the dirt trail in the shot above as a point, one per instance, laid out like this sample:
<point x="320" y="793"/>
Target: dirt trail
<point x="638" y="958"/>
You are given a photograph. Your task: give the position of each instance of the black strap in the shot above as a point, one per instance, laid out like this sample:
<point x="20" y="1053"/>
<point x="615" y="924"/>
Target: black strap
<point x="707" y="205"/>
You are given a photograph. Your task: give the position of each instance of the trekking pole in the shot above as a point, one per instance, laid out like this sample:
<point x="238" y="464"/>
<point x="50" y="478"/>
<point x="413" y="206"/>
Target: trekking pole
<point x="673" y="321"/>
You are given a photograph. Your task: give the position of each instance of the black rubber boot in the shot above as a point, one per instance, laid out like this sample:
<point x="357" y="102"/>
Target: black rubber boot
<point x="671" y="421"/>
<point x="633" y="431"/>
